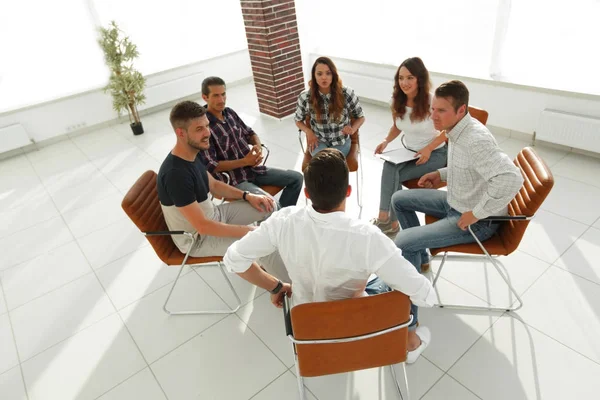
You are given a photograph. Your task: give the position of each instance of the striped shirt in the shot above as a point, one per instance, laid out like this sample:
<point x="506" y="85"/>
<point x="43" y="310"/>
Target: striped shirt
<point x="481" y="177"/>
<point x="229" y="140"/>
<point x="327" y="130"/>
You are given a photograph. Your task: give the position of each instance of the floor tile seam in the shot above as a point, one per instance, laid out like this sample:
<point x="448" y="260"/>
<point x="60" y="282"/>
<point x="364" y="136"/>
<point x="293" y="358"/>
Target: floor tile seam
<point x="121" y="219"/>
<point x="481" y="337"/>
<point x="170" y="282"/>
<point x="96" y="200"/>
<point x="23" y="228"/>
<point x="267" y="385"/>
<point x="450" y="377"/>
<point x="95" y="166"/>
<point x="223" y="317"/>
<point x="434" y="383"/>
<point x="50" y="291"/>
<point x="218" y="295"/>
<point x="121" y="382"/>
<point x="124" y="325"/>
<point x="263" y="342"/>
<point x="564" y="252"/>
<point x="565" y="269"/>
<point x="14" y="337"/>
<point x="588" y="183"/>
<point x="70" y="336"/>
<point x="542" y="207"/>
<point x="472" y="294"/>
<point x="97" y="280"/>
<point x="55" y="206"/>
<point x="572" y="244"/>
<point x="147" y="364"/>
<point x="538" y="330"/>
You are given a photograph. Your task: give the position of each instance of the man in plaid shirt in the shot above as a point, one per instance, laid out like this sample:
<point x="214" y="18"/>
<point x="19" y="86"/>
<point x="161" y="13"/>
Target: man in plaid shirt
<point x="236" y="149"/>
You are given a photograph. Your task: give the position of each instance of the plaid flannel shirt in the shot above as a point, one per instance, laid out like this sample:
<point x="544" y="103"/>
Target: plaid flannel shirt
<point x="481" y="177"/>
<point x="328" y="131"/>
<point x="229" y="141"/>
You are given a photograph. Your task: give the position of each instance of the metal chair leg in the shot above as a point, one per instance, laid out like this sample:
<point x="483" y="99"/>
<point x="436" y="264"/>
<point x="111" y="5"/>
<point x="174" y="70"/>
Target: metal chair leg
<point x="201" y="312"/>
<point x="239" y="301"/>
<point x="300" y="381"/>
<point x="398" y="383"/>
<point x="359" y="184"/>
<point x="500" y="272"/>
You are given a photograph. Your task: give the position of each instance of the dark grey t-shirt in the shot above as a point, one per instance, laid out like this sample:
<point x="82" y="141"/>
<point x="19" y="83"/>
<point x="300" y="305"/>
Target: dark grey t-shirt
<point x="180" y="183"/>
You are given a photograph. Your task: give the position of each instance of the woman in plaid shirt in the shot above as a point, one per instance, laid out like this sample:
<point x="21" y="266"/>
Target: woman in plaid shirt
<point x="335" y="112"/>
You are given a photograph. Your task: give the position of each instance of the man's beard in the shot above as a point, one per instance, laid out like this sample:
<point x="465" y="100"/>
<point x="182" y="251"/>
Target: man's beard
<point x="197" y="146"/>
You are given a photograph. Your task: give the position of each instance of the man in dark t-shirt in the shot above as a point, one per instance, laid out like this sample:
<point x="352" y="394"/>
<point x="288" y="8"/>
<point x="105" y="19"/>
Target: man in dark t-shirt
<point x="184" y="185"/>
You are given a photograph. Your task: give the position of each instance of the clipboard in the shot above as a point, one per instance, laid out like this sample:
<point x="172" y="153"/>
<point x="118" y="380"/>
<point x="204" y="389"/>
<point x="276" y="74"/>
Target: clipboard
<point x="398" y="156"/>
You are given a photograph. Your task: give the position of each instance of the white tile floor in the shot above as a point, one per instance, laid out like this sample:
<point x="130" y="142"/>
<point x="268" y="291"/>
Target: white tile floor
<point x="81" y="292"/>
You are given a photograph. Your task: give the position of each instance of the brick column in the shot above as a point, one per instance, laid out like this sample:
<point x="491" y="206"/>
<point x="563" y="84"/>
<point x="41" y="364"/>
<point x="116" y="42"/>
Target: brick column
<point x="274" y="47"/>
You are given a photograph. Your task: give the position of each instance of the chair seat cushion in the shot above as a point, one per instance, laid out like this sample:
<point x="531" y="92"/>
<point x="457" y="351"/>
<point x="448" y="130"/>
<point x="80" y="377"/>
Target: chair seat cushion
<point x="176" y="258"/>
<point x="493" y="245"/>
<point x="272" y="190"/>
<point x="351" y="159"/>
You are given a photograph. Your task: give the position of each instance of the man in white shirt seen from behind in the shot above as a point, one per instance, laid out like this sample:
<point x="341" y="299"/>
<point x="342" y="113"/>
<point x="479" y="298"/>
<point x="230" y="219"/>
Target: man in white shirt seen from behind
<point x="329" y="255"/>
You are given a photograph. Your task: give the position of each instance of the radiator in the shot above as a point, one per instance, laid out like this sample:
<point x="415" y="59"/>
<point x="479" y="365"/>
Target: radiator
<point x="12" y="137"/>
<point x="172" y="90"/>
<point x="572" y="130"/>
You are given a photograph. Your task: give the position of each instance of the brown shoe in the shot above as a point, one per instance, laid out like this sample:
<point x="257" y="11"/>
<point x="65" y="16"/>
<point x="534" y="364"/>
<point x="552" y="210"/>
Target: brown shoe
<point x="424" y="267"/>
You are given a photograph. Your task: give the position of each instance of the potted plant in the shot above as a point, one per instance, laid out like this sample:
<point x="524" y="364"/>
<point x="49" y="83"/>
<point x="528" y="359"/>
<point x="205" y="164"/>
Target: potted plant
<point x="126" y="85"/>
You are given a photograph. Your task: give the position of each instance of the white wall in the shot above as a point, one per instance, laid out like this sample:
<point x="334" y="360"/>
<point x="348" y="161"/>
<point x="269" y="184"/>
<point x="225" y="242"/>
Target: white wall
<point x="510" y="106"/>
<point x="55" y="118"/>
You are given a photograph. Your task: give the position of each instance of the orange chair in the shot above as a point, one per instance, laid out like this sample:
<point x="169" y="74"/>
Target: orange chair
<point x="538" y="182"/>
<point x="479" y="114"/>
<point x="349" y="335"/>
<point x="142" y="206"/>
<point x="353" y="159"/>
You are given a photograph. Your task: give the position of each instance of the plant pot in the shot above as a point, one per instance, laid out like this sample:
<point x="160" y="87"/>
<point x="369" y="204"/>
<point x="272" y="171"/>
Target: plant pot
<point x="137" y="128"/>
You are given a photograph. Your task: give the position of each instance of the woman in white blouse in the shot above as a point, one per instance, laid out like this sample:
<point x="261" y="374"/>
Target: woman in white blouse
<point x="411" y="103"/>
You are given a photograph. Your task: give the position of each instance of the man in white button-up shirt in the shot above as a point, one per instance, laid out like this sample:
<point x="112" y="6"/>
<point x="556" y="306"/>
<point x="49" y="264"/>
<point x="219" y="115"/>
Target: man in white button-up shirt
<point x="481" y="178"/>
<point x="329" y="255"/>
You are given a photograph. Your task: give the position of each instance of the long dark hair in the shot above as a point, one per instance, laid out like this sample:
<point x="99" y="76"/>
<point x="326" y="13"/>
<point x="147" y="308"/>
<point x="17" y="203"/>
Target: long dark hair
<point x="421" y="110"/>
<point x="336" y="105"/>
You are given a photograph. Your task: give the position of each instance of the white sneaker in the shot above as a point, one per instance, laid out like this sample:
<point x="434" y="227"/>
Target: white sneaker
<point x="425" y="335"/>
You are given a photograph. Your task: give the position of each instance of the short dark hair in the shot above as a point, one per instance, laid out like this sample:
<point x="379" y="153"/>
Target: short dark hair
<point x="184" y="112"/>
<point x="211" y="81"/>
<point x="326" y="178"/>
<point x="457" y="91"/>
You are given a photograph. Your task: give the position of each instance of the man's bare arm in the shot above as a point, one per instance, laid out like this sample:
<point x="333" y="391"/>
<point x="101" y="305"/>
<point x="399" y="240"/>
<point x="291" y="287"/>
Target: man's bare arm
<point x="205" y="226"/>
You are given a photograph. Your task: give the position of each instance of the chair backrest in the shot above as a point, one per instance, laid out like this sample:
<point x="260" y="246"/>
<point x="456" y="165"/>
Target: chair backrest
<point x="538" y="182"/>
<point x="141" y="204"/>
<point x="350" y="318"/>
<point x="479" y="114"/>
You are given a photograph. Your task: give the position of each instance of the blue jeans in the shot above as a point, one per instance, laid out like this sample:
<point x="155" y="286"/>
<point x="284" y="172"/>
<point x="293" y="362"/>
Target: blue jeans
<point x="344" y="148"/>
<point x="291" y="181"/>
<point x="377" y="286"/>
<point x="414" y="240"/>
<point x="393" y="175"/>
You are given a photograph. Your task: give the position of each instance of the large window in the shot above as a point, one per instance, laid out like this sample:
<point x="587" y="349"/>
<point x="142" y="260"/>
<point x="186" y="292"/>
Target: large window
<point x="549" y="44"/>
<point x="48" y="48"/>
<point x="553" y="44"/>
<point x="171" y="33"/>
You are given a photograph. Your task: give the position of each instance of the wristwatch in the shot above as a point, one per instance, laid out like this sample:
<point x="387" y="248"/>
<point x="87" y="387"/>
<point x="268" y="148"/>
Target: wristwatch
<point x="245" y="194"/>
<point x="277" y="288"/>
